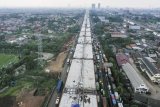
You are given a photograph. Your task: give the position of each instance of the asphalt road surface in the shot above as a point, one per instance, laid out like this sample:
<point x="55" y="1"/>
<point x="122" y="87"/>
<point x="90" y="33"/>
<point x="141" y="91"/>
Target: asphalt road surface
<point x="63" y="78"/>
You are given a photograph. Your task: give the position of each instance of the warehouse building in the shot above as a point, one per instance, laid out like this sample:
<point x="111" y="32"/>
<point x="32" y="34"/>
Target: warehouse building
<point x="134" y="27"/>
<point x="118" y="35"/>
<point x="150" y="69"/>
<point x="121" y="59"/>
<point x="136" y="81"/>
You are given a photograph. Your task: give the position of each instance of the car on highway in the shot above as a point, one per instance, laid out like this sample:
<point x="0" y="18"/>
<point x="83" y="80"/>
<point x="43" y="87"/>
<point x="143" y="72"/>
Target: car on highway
<point x="57" y="101"/>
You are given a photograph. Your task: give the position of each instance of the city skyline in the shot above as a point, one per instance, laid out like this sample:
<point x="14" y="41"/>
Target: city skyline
<point x="81" y="3"/>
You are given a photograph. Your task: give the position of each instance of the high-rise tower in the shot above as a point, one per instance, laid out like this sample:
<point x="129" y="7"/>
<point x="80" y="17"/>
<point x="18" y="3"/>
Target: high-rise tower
<point x="99" y="5"/>
<point x="93" y="6"/>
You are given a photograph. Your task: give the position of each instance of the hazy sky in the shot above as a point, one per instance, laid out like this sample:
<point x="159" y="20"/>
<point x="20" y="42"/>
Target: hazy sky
<point x="80" y="3"/>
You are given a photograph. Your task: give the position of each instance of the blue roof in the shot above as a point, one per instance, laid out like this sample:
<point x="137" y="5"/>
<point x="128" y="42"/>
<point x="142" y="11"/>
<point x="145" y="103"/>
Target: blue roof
<point x="75" y="105"/>
<point x="59" y="85"/>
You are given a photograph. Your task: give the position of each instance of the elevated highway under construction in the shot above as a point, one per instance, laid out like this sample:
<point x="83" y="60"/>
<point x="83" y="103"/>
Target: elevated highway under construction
<point x="80" y="88"/>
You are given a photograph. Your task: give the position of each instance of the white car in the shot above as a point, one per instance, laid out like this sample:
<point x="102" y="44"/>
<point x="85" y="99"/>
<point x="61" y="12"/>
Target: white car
<point x="57" y="101"/>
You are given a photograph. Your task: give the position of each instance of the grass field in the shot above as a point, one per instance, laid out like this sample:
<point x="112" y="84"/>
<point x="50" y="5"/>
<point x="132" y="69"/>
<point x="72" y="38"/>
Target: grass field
<point x="29" y="83"/>
<point x="5" y="59"/>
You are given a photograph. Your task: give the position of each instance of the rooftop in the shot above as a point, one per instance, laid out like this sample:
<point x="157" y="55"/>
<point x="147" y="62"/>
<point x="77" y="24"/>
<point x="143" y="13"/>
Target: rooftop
<point x="121" y="59"/>
<point x="118" y="35"/>
<point x="152" y="68"/>
<point x="133" y="76"/>
<point x="150" y="59"/>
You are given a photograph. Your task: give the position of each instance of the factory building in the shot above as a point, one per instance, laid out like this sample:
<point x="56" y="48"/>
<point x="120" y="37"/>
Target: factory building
<point x="135" y="80"/>
<point x="147" y="65"/>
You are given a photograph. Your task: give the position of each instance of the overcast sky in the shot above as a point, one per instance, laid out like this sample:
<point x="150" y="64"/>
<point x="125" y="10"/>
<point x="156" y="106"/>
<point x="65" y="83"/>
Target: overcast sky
<point x="80" y="3"/>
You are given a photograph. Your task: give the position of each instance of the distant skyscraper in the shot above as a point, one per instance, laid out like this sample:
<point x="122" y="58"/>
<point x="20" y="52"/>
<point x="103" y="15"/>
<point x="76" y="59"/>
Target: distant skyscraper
<point x="99" y="5"/>
<point x="93" y="6"/>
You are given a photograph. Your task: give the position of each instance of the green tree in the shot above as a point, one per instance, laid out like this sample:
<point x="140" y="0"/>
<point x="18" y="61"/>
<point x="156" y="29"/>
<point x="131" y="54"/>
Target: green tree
<point x="30" y="62"/>
<point x="119" y="89"/>
<point x="134" y="105"/>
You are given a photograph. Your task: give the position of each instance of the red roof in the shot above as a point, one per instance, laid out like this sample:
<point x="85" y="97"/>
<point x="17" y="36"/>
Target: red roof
<point x="121" y="59"/>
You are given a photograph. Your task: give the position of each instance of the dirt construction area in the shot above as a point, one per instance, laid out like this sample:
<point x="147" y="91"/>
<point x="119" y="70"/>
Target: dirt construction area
<point x="28" y="100"/>
<point x="57" y="64"/>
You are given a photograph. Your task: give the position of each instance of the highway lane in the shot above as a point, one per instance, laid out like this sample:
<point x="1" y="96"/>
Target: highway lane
<point x="104" y="77"/>
<point x="63" y="76"/>
<point x="55" y="93"/>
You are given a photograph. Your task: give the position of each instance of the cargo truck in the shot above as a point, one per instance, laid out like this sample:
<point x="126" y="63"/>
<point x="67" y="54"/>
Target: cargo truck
<point x="59" y="86"/>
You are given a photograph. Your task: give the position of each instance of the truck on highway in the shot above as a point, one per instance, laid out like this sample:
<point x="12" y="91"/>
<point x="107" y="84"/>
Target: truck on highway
<point x="113" y="99"/>
<point x="68" y="69"/>
<point x="59" y="86"/>
<point x="109" y="72"/>
<point x="113" y="86"/>
<point x="97" y="56"/>
<point x="104" y="58"/>
<point x="109" y="87"/>
<point x="96" y="77"/>
<point x="97" y="85"/>
<point x="98" y="98"/>
<point x="103" y="92"/>
<point x="104" y="101"/>
<point x="68" y="61"/>
<point x="116" y="95"/>
<point x="120" y="105"/>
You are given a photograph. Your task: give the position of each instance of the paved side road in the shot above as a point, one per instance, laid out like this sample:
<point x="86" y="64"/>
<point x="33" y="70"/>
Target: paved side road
<point x="53" y="99"/>
<point x="63" y="78"/>
<point x="155" y="90"/>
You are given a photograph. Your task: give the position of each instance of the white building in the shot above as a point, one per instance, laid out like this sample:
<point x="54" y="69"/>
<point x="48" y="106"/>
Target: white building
<point x="102" y="18"/>
<point x="118" y="35"/>
<point x="150" y="69"/>
<point x="134" y="27"/>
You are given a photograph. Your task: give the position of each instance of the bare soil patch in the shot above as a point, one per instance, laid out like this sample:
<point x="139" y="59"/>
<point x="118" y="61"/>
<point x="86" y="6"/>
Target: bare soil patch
<point x="57" y="65"/>
<point x="28" y="100"/>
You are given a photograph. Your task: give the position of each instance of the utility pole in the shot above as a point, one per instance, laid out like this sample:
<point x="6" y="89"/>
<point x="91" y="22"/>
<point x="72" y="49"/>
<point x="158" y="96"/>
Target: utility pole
<point x="40" y="50"/>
